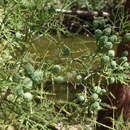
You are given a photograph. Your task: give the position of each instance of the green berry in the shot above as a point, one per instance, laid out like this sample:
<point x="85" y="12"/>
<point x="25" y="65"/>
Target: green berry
<point x="123" y="59"/>
<point x="113" y="38"/>
<point x="56" y="68"/>
<point x="59" y="79"/>
<point x="81" y="97"/>
<point x="113" y="64"/>
<point x="125" y="53"/>
<point x="127" y="37"/>
<point x="37" y="76"/>
<point x="79" y="77"/>
<point x="97" y="89"/>
<point x="105" y="59"/>
<point x="108" y="45"/>
<point x="18" y="35"/>
<point x="29" y="69"/>
<point x="27" y="96"/>
<point x="107" y="31"/>
<point x="19" y="91"/>
<point x="111" y="53"/>
<point x="103" y="39"/>
<point x="98" y="33"/>
<point x="66" y="51"/>
<point x="96" y="106"/>
<point x="111" y="80"/>
<point x="94" y="96"/>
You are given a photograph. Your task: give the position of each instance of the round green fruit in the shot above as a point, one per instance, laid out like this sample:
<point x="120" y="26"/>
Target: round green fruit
<point x="79" y="77"/>
<point x="56" y="68"/>
<point x="29" y="69"/>
<point x="37" y="76"/>
<point x="111" y="80"/>
<point x="81" y="98"/>
<point x="18" y="35"/>
<point x="96" y="106"/>
<point x="98" y="33"/>
<point x="66" y="51"/>
<point x="59" y="79"/>
<point x="105" y="59"/>
<point x="103" y="39"/>
<point x="28" y="96"/>
<point x="127" y="37"/>
<point x="125" y="53"/>
<point x="94" y="96"/>
<point x="111" y="53"/>
<point x="97" y="89"/>
<point x="108" y="45"/>
<point x="113" y="64"/>
<point x="19" y="91"/>
<point x="107" y="31"/>
<point x="113" y="38"/>
<point x="123" y="59"/>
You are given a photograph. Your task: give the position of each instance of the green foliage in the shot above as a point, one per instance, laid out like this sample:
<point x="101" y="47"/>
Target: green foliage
<point x="127" y="37"/>
<point x="26" y="101"/>
<point x="92" y="4"/>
